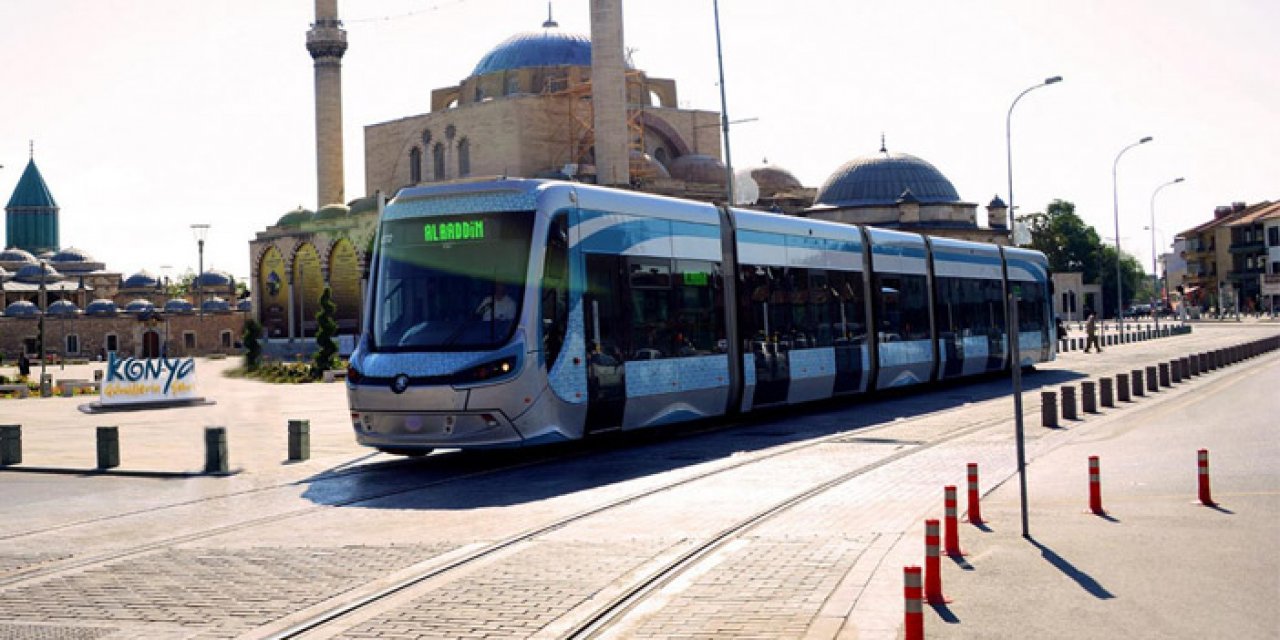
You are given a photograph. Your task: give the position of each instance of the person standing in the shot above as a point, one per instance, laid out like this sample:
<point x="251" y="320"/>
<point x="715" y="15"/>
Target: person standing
<point x="1091" y="329"/>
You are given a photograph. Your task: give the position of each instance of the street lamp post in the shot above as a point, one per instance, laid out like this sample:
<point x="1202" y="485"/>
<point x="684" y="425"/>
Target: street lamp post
<point x="44" y="307"/>
<point x="724" y="108"/>
<point x="1008" y="137"/>
<point x="1115" y="202"/>
<point x="1155" y="269"/>
<point x="201" y="232"/>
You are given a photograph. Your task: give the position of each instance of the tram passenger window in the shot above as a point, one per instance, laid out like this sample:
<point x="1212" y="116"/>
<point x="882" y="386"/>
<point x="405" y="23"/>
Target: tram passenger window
<point x="650" y="288"/>
<point x="555" y="289"/>
<point x="846" y="306"/>
<point x="903" y="307"/>
<point x="1031" y="303"/>
<point x="698" y="324"/>
<point x="753" y="305"/>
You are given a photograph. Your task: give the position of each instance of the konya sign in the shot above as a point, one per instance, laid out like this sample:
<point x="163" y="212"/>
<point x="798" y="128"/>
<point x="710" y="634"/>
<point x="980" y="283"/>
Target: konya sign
<point x="131" y="380"/>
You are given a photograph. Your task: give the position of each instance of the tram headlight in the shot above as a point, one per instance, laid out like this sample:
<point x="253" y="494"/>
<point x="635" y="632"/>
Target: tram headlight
<point x="353" y="374"/>
<point x="490" y="370"/>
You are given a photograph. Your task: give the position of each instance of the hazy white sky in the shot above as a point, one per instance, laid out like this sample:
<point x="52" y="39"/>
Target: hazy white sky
<point x="151" y="115"/>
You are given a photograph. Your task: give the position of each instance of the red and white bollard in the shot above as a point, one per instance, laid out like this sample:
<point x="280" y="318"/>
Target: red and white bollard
<point x="952" y="522"/>
<point x="975" y="514"/>
<point x="1095" y="487"/>
<point x="932" y="564"/>
<point x="913" y="607"/>
<point x="1203" y="463"/>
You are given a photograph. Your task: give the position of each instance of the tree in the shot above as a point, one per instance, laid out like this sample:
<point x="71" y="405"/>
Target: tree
<point x="326" y="329"/>
<point x="252" y="346"/>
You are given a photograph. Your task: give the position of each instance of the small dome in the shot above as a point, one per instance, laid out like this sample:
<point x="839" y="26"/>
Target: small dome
<point x="17" y="256"/>
<point x="21" y="309"/>
<point x="244" y="304"/>
<point x="880" y="180"/>
<point x="644" y="166"/>
<point x="213" y="279"/>
<point x="37" y="273"/>
<point x="773" y="180"/>
<point x="215" y="304"/>
<point x="63" y="308"/>
<point x="139" y="305"/>
<point x="140" y="280"/>
<point x="997" y="203"/>
<point x="332" y="212"/>
<point x="546" y="48"/>
<point x="71" y="254"/>
<point x="178" y="305"/>
<point x="698" y="168"/>
<point x="361" y="205"/>
<point x="101" y="307"/>
<point x="295" y="217"/>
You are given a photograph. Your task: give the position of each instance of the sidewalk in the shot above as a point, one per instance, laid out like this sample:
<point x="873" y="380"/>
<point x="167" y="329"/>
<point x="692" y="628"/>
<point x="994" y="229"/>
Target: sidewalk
<point x="1159" y="564"/>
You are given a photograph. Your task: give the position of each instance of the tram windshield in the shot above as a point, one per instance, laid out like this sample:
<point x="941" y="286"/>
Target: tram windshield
<point x="450" y="283"/>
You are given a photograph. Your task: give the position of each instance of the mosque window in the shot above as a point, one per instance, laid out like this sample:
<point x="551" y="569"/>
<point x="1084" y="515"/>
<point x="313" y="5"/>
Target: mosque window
<point x="113" y="342"/>
<point x="225" y="339"/>
<point x="189" y="339"/>
<point x="464" y="158"/>
<point x="73" y="344"/>
<point x="437" y="159"/>
<point x="415" y="165"/>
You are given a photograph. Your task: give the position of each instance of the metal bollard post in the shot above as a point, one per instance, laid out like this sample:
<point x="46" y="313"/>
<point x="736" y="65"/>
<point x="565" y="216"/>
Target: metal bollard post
<point x="1104" y="392"/>
<point x="108" y="447"/>
<point x="1122" y="387"/>
<point x="1191" y="365"/>
<point x="1048" y="409"/>
<point x="215" y="449"/>
<point x="1068" y="402"/>
<point x="1164" y="374"/>
<point x="1153" y="382"/>
<point x="46" y="385"/>
<point x="1175" y="370"/>
<point x="1088" y="401"/>
<point x="1136" y="376"/>
<point x="299" y="440"/>
<point x="10" y="444"/>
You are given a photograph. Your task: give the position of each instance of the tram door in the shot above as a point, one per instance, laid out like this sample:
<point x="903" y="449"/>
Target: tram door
<point x="606" y="359"/>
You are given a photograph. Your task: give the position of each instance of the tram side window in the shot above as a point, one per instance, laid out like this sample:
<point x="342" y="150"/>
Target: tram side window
<point x="606" y="315"/>
<point x="555" y="289"/>
<point x="846" y="307"/>
<point x="966" y="307"/>
<point x="903" y="305"/>
<point x="698" y="324"/>
<point x="1031" y="303"/>
<point x="753" y="306"/>
<point x="649" y="286"/>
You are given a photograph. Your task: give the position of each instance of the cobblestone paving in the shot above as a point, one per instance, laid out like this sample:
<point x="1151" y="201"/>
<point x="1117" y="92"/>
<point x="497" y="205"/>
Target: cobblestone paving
<point x="516" y="598"/>
<point x="49" y="632"/>
<point x="211" y="592"/>
<point x="769" y="588"/>
<point x="15" y="563"/>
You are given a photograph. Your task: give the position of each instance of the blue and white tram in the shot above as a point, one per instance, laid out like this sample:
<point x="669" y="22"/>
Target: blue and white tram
<point x="515" y="312"/>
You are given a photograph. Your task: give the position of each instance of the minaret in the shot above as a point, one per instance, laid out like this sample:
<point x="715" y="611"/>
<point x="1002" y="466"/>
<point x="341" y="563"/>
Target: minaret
<point x="327" y="41"/>
<point x="609" y="93"/>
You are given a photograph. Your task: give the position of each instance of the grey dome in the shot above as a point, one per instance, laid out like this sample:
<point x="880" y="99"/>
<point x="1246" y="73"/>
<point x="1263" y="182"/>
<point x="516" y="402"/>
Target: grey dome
<point x="698" y="168"/>
<point x="880" y="180"/>
<point x="140" y="280"/>
<point x="16" y="255"/>
<point x="139" y="305"/>
<point x="21" y="309"/>
<point x="178" y="305"/>
<point x="71" y="254"/>
<point x="63" y="308"/>
<point x="101" y="307"/>
<point x="773" y="180"/>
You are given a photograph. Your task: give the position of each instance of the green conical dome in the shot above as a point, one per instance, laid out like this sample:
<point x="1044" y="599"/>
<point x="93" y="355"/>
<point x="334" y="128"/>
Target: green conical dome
<point x="31" y="217"/>
<point x="31" y="190"/>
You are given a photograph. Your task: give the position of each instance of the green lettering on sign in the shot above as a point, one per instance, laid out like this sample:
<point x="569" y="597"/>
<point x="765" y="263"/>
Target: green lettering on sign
<point x="696" y="279"/>
<point x="453" y="231"/>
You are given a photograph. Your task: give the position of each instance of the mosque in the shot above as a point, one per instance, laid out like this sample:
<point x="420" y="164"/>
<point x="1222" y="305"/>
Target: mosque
<point x="557" y="105"/>
<point x="84" y="308"/>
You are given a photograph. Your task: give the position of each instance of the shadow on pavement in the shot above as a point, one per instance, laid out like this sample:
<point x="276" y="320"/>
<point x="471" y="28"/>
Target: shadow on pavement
<point x="1083" y="579"/>
<point x="945" y="613"/>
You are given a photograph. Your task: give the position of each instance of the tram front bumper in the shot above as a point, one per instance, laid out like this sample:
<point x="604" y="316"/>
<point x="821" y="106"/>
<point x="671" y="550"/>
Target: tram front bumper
<point x="391" y="429"/>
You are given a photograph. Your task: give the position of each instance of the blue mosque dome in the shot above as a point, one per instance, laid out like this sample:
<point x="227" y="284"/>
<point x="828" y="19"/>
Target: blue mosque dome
<point x="37" y="273"/>
<point x="215" y="305"/>
<point x="63" y="308"/>
<point x="883" y="179"/>
<point x="245" y="304"/>
<point x="214" y="279"/>
<point x="101" y="307"/>
<point x="546" y="48"/>
<point x="178" y="305"/>
<point x="14" y="256"/>
<point x="140" y="305"/>
<point x="140" y="280"/>
<point x="22" y="309"/>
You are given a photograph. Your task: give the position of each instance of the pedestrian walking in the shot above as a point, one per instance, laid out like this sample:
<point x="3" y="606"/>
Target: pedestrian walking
<point x="24" y="365"/>
<point x="1091" y="329"/>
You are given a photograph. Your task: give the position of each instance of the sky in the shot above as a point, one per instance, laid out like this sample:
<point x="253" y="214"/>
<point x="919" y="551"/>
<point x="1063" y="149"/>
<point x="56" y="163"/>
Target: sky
<point x="149" y="116"/>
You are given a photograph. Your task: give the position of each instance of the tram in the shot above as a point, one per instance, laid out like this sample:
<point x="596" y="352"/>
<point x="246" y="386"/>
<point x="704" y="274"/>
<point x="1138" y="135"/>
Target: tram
<point x="517" y="312"/>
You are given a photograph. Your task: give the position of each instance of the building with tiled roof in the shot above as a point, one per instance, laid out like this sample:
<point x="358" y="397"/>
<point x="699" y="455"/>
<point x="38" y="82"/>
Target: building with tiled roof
<point x="1226" y="255"/>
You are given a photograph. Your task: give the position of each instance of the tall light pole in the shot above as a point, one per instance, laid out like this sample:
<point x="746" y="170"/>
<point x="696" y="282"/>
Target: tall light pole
<point x="201" y="232"/>
<point x="1008" y="138"/>
<point x="1155" y="269"/>
<point x="724" y="107"/>
<point x="1115" y="202"/>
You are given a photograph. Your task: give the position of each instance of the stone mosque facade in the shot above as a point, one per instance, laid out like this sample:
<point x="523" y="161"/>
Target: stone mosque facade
<point x="526" y="110"/>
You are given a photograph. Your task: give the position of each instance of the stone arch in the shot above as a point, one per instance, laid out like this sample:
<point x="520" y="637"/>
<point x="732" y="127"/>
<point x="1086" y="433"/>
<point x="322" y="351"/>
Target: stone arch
<point x="273" y="292"/>
<point x="307" y="284"/>
<point x="344" y="280"/>
<point x="665" y="131"/>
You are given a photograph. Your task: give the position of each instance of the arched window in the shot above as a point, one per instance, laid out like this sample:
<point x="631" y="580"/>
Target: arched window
<point x="437" y="159"/>
<point x="660" y="154"/>
<point x="415" y="165"/>
<point x="464" y="158"/>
